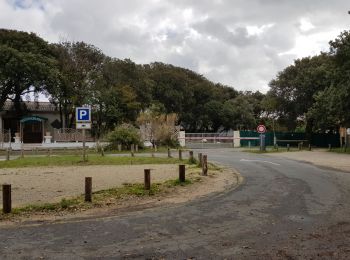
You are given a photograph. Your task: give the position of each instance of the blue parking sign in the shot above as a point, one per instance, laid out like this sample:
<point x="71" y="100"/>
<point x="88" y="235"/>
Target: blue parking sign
<point x="83" y="114"/>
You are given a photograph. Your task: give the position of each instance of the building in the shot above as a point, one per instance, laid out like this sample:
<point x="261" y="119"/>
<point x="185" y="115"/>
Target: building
<point x="37" y="121"/>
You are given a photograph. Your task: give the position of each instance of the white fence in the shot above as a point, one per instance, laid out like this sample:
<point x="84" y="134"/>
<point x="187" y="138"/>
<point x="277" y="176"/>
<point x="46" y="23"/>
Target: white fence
<point x="71" y="135"/>
<point x="5" y="137"/>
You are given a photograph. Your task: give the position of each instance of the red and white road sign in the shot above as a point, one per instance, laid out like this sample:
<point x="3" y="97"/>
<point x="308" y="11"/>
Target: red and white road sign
<point x="261" y="129"/>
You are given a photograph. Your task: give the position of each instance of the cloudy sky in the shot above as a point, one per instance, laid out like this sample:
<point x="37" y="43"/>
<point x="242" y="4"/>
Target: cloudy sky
<point x="241" y="43"/>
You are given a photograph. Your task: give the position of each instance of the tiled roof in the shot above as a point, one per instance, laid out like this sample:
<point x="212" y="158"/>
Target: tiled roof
<point x="33" y="106"/>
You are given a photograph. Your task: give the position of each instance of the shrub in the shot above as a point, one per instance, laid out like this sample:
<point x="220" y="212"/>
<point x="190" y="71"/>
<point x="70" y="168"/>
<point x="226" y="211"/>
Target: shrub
<point x="125" y="135"/>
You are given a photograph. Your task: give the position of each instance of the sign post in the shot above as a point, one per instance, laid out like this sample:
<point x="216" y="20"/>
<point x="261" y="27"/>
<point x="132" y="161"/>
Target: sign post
<point x="83" y="121"/>
<point x="261" y="129"/>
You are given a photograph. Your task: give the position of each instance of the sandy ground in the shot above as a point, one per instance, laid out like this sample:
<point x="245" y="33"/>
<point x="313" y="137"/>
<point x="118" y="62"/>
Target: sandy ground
<point x="51" y="184"/>
<point x="319" y="157"/>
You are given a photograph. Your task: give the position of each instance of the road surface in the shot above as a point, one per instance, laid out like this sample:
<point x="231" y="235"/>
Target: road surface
<point x="283" y="210"/>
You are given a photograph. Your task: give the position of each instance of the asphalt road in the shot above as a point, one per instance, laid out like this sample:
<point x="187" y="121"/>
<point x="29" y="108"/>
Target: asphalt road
<point x="283" y="210"/>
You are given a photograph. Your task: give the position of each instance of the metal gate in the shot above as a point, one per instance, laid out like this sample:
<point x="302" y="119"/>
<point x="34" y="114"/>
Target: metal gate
<point x="209" y="140"/>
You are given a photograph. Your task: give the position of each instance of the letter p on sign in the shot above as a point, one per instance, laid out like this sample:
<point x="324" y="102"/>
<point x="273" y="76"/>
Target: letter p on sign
<point x="83" y="114"/>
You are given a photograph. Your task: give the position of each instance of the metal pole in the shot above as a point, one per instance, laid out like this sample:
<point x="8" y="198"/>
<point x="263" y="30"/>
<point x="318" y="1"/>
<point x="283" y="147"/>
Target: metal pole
<point x="84" y="153"/>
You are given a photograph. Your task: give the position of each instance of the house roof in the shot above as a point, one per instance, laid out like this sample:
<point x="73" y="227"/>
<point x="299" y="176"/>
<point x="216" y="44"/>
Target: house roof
<point x="33" y="106"/>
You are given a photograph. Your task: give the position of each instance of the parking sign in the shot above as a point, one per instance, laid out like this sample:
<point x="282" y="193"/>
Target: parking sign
<point x="83" y="114"/>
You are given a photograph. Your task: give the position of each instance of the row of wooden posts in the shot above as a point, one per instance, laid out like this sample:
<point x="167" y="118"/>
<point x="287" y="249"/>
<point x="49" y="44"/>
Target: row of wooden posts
<point x="203" y="163"/>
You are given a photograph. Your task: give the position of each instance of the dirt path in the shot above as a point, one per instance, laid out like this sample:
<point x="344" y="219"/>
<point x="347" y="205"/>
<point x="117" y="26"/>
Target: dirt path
<point x="51" y="184"/>
<point x="319" y="157"/>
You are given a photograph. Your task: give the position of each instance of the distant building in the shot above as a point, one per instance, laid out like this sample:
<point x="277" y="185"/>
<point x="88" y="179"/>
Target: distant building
<point x="37" y="120"/>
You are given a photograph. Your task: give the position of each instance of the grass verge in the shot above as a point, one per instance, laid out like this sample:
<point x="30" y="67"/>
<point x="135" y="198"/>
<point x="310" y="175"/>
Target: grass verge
<point x="99" y="198"/>
<point x="73" y="160"/>
<point x="340" y="150"/>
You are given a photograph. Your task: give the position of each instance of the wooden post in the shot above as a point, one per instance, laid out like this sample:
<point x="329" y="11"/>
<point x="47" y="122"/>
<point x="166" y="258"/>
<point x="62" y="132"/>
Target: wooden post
<point x="191" y="156"/>
<point x="205" y="165"/>
<point x="200" y="159"/>
<point x="180" y="154"/>
<point x="6" y="198"/>
<point x="309" y="147"/>
<point x="288" y="146"/>
<point x="88" y="189"/>
<point x="182" y="173"/>
<point x="147" y="183"/>
<point x="7" y="154"/>
<point x="169" y="153"/>
<point x="132" y="149"/>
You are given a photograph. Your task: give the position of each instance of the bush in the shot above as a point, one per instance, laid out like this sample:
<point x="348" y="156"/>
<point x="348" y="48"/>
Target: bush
<point x="124" y="135"/>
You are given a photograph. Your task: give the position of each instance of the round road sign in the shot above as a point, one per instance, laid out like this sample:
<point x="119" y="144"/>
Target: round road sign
<point x="261" y="129"/>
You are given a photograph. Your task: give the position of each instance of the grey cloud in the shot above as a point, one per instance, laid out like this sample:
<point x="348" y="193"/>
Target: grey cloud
<point x="208" y="36"/>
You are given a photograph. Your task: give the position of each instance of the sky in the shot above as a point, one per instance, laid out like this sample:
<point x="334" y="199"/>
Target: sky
<point x="240" y="43"/>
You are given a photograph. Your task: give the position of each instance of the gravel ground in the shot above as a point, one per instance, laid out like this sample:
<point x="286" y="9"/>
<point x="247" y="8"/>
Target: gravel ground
<point x="51" y="184"/>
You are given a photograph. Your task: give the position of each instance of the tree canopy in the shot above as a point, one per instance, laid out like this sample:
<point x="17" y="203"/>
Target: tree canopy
<point x="311" y="94"/>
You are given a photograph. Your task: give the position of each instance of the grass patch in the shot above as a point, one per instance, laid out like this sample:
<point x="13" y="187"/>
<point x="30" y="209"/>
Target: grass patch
<point x="340" y="150"/>
<point x="272" y="150"/>
<point x="73" y="160"/>
<point x="172" y="183"/>
<point x="99" y="198"/>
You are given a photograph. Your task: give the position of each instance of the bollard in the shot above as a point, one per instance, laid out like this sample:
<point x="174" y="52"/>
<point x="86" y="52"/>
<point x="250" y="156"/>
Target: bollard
<point x="155" y="148"/>
<point x="137" y="148"/>
<point x="22" y="153"/>
<point x="7" y="154"/>
<point x="249" y="145"/>
<point x="309" y="147"/>
<point x="288" y="147"/>
<point x="200" y="158"/>
<point x="119" y="147"/>
<point x="180" y="154"/>
<point x="6" y="198"/>
<point x="329" y="147"/>
<point x="88" y="189"/>
<point x="205" y="165"/>
<point x="277" y="147"/>
<point x="182" y="173"/>
<point x="147" y="185"/>
<point x="191" y="156"/>
<point x="169" y="153"/>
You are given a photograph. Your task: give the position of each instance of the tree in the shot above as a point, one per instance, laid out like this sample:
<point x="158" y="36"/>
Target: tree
<point x="238" y="113"/>
<point x="158" y="127"/>
<point x="294" y="90"/>
<point x="79" y="65"/>
<point x="332" y="106"/>
<point x="27" y="64"/>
